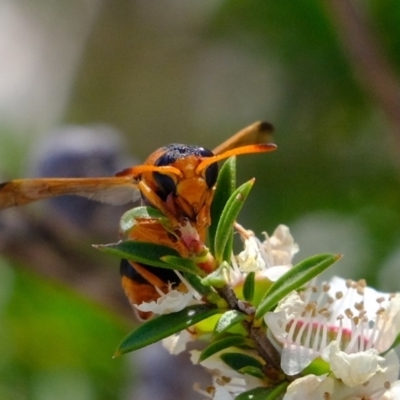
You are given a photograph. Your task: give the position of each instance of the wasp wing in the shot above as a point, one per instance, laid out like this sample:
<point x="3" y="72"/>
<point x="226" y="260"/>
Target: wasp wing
<point x="257" y="133"/>
<point x="112" y="190"/>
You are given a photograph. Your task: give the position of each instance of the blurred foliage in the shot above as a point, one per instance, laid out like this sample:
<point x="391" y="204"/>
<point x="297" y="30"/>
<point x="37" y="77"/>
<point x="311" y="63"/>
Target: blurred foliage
<point x="50" y="334"/>
<point x="334" y="151"/>
<point x="175" y="72"/>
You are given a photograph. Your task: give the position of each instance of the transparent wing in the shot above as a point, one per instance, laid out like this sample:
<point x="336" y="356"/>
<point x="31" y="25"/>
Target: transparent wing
<point x="112" y="190"/>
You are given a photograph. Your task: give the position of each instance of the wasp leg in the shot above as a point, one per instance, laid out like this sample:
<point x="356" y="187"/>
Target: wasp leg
<point x="157" y="202"/>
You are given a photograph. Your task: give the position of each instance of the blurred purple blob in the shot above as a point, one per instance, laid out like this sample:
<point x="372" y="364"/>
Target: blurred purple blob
<point x="82" y="151"/>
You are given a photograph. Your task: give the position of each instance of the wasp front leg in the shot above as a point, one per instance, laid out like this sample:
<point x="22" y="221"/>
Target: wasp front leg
<point x="203" y="219"/>
<point x="149" y="194"/>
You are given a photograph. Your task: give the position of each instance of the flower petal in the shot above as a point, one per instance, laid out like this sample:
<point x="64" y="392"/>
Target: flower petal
<point x="250" y="259"/>
<point x="175" y="344"/>
<point x="310" y="387"/>
<point x="173" y="301"/>
<point x="354" y="369"/>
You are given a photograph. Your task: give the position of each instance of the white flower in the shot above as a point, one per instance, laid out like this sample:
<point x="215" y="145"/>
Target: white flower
<point x="226" y="381"/>
<point x="280" y="248"/>
<point x="269" y="259"/>
<point x="383" y="385"/>
<point x="174" y="300"/>
<point x="221" y="393"/>
<point x="176" y="344"/>
<point x="250" y="259"/>
<point x="167" y="303"/>
<point x="310" y="387"/>
<point x="353" y="369"/>
<point x="345" y="323"/>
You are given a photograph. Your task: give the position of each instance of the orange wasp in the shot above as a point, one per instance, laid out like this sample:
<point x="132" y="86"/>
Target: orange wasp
<point x="178" y="180"/>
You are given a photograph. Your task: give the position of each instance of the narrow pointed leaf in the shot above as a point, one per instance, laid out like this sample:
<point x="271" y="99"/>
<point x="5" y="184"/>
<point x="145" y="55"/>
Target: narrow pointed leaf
<point x="163" y="326"/>
<point x="237" y="361"/>
<point x="296" y="277"/>
<point x="221" y="344"/>
<point x="183" y="264"/>
<point x="229" y="319"/>
<point x="263" y="393"/>
<point x="228" y="247"/>
<point x="142" y="252"/>
<point x="228" y="217"/>
<point x="225" y="186"/>
<point x="248" y="287"/>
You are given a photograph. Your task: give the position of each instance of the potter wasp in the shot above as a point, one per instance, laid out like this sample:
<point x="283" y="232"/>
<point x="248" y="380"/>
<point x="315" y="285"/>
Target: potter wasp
<point x="177" y="180"/>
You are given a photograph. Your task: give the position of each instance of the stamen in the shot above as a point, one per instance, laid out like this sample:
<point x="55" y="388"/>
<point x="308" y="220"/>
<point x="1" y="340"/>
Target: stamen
<point x="326" y="287"/>
<point x="380" y="300"/>
<point x="360" y="286"/>
<point x="359" y="306"/>
<point x="319" y="340"/>
<point x="292" y="330"/>
<point x="301" y="330"/>
<point x="321" y="297"/>
<point x="314" y="289"/>
<point x="382" y="327"/>
<point x="372" y="341"/>
<point x="308" y="337"/>
<point x="340" y="330"/>
<point x="352" y="345"/>
<point x="349" y="313"/>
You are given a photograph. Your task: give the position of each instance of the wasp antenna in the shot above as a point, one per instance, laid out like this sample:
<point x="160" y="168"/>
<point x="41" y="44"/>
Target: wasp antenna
<point x="140" y="169"/>
<point x="250" y="149"/>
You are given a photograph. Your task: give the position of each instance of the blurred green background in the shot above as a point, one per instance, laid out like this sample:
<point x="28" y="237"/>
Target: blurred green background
<point x="326" y="75"/>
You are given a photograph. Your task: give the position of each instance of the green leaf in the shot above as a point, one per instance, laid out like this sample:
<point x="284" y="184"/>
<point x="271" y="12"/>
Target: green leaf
<point x="248" y="286"/>
<point x="221" y="344"/>
<point x="238" y="361"/>
<point x="228" y="247"/>
<point x="195" y="281"/>
<point x="317" y="367"/>
<point x="228" y="217"/>
<point x="142" y="252"/>
<point x="226" y="184"/>
<point x="163" y="326"/>
<point x="128" y="219"/>
<point x="253" y="371"/>
<point x="183" y="264"/>
<point x="296" y="277"/>
<point x="229" y="319"/>
<point x="263" y="393"/>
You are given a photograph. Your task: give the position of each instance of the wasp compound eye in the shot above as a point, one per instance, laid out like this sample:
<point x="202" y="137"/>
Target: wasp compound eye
<point x="211" y="172"/>
<point x="166" y="184"/>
